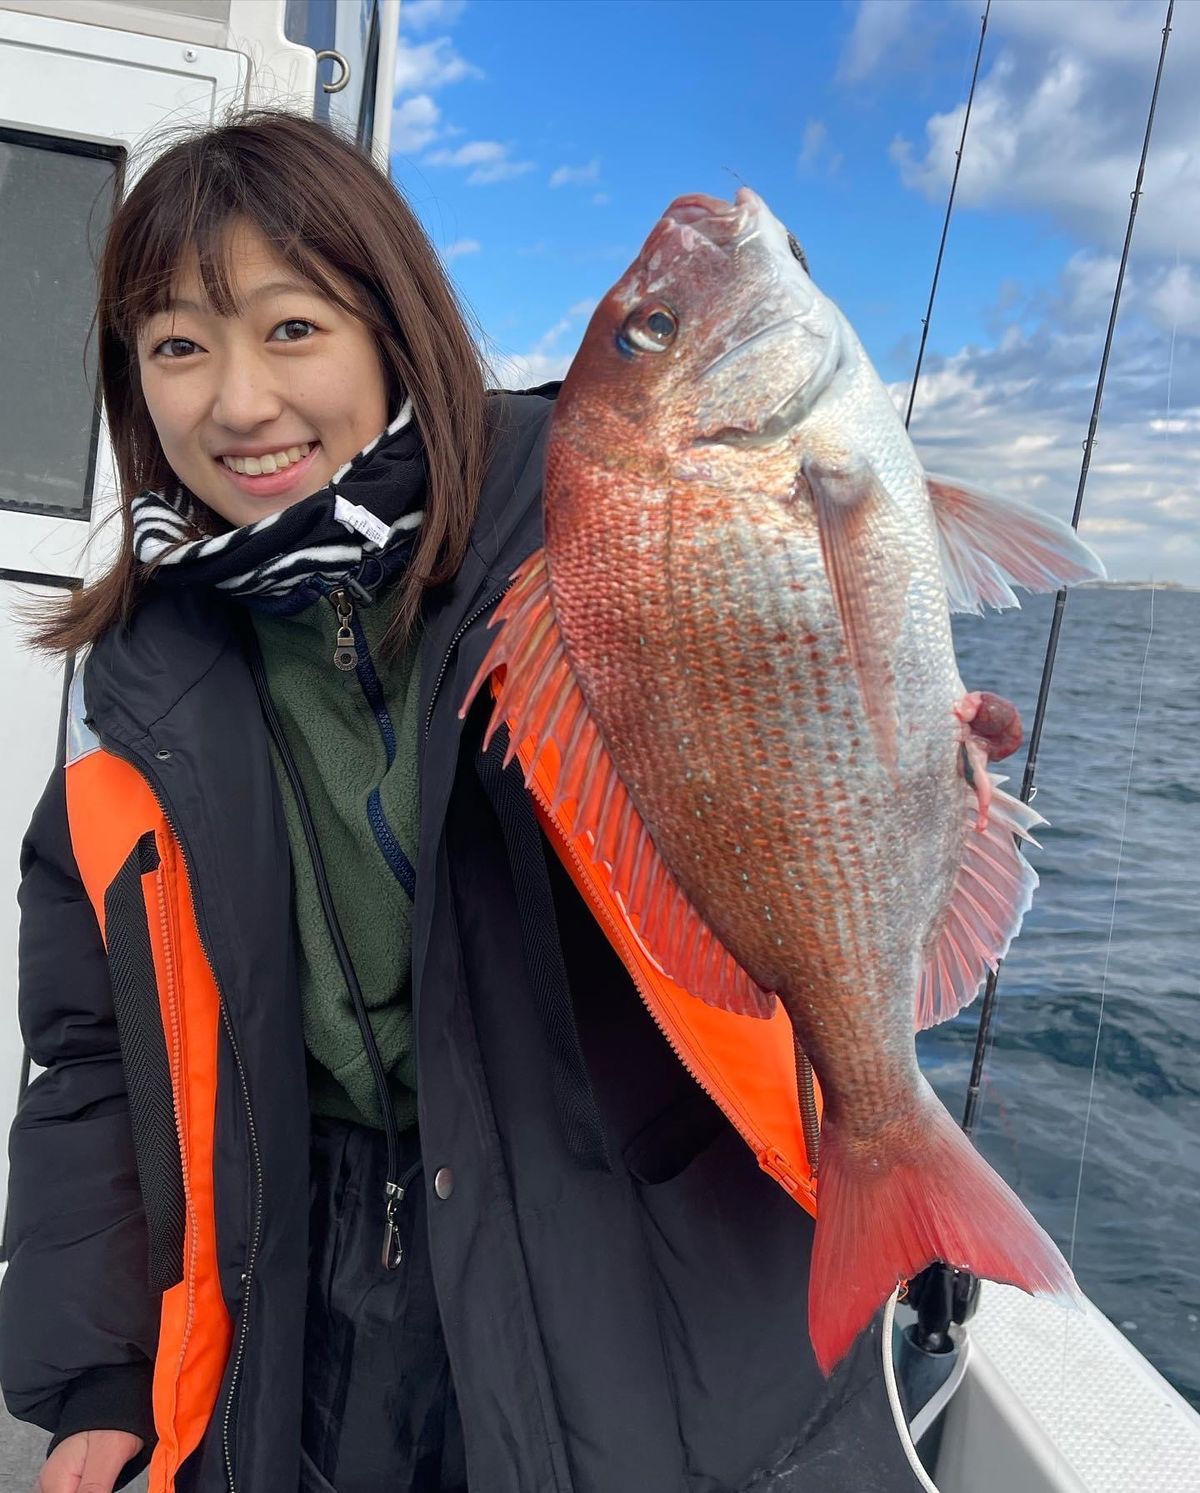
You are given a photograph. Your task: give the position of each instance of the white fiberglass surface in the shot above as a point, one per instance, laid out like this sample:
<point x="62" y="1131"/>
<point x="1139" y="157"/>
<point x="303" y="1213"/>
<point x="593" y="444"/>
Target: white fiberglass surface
<point x="31" y="695"/>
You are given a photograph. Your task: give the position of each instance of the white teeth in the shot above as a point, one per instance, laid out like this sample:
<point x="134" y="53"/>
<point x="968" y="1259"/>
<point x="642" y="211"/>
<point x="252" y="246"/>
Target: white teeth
<point x="257" y="466"/>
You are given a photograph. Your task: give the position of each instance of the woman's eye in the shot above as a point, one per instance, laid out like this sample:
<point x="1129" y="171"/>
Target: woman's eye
<point x="174" y="347"/>
<point x="289" y="330"/>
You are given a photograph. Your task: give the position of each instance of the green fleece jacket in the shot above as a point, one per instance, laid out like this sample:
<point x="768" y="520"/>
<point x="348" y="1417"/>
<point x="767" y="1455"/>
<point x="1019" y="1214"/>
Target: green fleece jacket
<point x="354" y="737"/>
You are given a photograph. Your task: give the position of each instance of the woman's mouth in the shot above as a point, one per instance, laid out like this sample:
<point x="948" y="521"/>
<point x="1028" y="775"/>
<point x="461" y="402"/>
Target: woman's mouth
<point x="270" y="475"/>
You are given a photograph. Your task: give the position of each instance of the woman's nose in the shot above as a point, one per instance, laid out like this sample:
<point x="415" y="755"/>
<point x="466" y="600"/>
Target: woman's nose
<point x="246" y="398"/>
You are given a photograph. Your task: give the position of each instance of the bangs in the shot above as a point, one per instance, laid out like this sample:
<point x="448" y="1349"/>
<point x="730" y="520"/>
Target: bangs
<point x="167" y="242"/>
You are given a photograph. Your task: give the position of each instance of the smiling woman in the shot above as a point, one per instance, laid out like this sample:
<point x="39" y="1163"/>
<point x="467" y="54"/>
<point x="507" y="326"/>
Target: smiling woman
<point x="266" y="317"/>
<point x="378" y="1173"/>
<point x="258" y="407"/>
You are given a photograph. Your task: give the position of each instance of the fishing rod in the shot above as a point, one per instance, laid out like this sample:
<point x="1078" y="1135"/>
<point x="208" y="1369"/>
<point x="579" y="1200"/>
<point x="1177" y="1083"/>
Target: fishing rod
<point x="942" y="1294"/>
<point x="1028" y="788"/>
<point x="937" y="268"/>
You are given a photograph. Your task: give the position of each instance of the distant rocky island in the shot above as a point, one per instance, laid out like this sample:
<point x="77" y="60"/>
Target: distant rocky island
<point x="1134" y="586"/>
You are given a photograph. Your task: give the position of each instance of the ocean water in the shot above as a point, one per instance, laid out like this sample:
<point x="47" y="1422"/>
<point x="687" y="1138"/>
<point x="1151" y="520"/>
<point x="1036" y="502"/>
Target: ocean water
<point x="1116" y="919"/>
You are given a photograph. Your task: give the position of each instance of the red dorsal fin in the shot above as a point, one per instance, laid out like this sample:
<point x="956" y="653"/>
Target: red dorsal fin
<point x="992" y="894"/>
<point x="540" y="700"/>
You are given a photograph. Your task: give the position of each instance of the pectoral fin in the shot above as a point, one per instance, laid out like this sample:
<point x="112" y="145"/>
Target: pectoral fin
<point x="985" y="539"/>
<point x="869" y="580"/>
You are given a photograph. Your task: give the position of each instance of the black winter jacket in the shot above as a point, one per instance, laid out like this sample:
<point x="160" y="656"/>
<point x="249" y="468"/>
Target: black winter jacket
<point x="622" y="1290"/>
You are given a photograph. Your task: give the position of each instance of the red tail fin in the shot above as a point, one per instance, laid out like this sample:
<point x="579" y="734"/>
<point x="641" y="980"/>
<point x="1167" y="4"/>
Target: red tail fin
<point x="883" y="1220"/>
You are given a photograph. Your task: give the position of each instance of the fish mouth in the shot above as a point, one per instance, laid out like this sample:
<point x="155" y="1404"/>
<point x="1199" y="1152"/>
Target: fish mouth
<point x="696" y="206"/>
<point x="724" y="224"/>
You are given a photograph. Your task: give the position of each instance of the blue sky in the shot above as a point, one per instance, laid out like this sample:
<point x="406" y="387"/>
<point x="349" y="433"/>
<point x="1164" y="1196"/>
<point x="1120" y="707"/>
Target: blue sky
<point x="540" y="141"/>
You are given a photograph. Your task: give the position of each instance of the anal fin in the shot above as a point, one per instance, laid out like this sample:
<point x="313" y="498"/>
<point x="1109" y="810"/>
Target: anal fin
<point x="541" y="700"/>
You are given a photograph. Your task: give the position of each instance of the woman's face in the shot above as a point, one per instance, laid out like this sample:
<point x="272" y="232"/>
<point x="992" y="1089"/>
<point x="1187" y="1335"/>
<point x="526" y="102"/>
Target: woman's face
<point x="258" y="410"/>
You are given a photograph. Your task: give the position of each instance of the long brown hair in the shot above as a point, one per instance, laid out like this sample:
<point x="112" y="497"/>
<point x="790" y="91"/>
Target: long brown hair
<point x="335" y="219"/>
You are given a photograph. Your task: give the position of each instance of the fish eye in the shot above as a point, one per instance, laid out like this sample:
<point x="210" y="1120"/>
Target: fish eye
<point x="649" y="329"/>
<point x="797" y="251"/>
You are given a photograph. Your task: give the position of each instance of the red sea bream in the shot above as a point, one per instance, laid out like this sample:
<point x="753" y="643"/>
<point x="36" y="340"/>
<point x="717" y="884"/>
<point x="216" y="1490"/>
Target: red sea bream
<point x="738" y="639"/>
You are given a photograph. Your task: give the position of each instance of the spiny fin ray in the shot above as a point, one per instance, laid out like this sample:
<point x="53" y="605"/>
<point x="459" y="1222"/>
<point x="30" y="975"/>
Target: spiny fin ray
<point x="540" y="698"/>
<point x="984" y="538"/>
<point x="992" y="893"/>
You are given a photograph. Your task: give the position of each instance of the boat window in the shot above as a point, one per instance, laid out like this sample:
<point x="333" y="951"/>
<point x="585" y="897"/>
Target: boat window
<point x="56" y="197"/>
<point x="353" y="30"/>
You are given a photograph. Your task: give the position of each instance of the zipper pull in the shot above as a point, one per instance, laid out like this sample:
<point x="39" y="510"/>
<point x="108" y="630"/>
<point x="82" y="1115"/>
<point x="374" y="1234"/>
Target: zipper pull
<point x="393" y="1250"/>
<point x="345" y="654"/>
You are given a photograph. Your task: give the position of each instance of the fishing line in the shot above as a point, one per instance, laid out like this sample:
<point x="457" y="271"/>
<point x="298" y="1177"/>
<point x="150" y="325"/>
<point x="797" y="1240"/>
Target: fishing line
<point x="1087" y="1120"/>
<point x="935" y="1278"/>
<point x="1028" y="789"/>
<point x="1112" y="923"/>
<point x="937" y="268"/>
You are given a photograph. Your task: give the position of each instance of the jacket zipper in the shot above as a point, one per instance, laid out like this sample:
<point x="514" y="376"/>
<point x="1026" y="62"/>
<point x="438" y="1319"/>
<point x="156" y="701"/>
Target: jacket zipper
<point x="256" y="1221"/>
<point x="391" y="1238"/>
<point x="768" y="1158"/>
<point x="485" y="606"/>
<point x="179" y="1095"/>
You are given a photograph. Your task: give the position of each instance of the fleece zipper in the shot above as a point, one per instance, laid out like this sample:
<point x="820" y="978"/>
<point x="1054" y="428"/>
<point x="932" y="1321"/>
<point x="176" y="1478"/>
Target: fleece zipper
<point x="352" y="651"/>
<point x="393" y="1189"/>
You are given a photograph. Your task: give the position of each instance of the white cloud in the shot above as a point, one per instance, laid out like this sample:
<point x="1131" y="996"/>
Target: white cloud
<point x="815" y="134"/>
<point x="423" y="15"/>
<point x="549" y="357"/>
<point x="815" y="153"/>
<point x="1175" y="301"/>
<point x="880" y="27"/>
<point x="430" y="65"/>
<point x="415" y="122"/>
<point x="1012" y="418"/>
<point x="461" y="246"/>
<point x="1058" y="120"/>
<point x="563" y="176"/>
<point x="485" y="161"/>
<point x="1056" y="133"/>
<point x="601" y="199"/>
<point x="528" y="370"/>
<point x="1114" y="31"/>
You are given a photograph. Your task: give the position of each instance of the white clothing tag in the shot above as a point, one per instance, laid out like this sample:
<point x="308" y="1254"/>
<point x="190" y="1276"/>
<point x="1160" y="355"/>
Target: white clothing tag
<point x="355" y="517"/>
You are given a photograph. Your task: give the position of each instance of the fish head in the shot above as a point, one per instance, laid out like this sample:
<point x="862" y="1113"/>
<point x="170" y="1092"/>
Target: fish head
<point x="715" y="341"/>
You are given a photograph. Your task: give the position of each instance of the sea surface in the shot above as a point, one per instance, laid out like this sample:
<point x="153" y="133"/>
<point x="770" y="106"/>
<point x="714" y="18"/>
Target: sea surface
<point x="1107" y="966"/>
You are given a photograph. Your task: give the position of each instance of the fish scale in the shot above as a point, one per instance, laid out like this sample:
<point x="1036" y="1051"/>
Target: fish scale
<point x="726" y="558"/>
